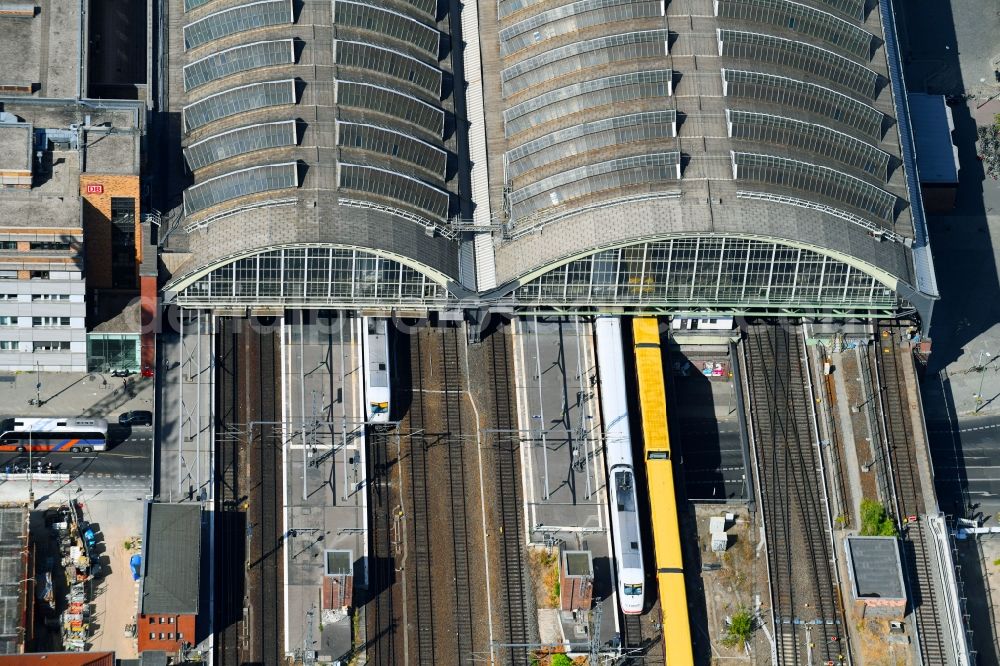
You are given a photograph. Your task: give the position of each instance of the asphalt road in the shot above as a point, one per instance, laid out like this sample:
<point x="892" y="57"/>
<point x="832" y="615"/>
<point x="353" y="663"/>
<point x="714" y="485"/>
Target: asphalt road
<point x="127" y="457"/>
<point x="967" y="457"/>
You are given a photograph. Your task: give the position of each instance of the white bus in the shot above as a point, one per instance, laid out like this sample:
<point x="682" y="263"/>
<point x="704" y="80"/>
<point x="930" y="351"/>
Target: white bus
<point x="54" y="433"/>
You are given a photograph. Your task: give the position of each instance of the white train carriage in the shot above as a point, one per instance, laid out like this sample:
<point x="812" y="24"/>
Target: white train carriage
<point x="375" y="359"/>
<point x="621" y="476"/>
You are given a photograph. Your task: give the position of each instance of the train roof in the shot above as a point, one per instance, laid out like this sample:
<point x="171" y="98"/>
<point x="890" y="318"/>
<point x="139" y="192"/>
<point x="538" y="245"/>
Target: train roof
<point x="614" y="402"/>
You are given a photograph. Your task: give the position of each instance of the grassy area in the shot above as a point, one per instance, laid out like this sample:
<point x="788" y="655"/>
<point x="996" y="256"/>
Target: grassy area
<point x="544" y="565"/>
<point x="740" y="629"/>
<point x="875" y="521"/>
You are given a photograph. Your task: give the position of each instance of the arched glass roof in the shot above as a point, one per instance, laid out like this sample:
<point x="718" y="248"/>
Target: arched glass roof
<point x="386" y="22"/>
<point x="395" y="187"/>
<point x="235" y="184"/>
<point x="238" y="100"/>
<point x="815" y="179"/>
<point x="592" y="178"/>
<point x="853" y="8"/>
<point x="395" y="64"/>
<point x="392" y="103"/>
<point x="240" y="141"/>
<point x="237" y="19"/>
<point x="574" y="57"/>
<point x="786" y="92"/>
<point x="767" y="128"/>
<point x="804" y="19"/>
<point x="570" y="99"/>
<point x="426" y="7"/>
<point x="238" y="59"/>
<point x="708" y="273"/>
<point x="820" y="62"/>
<point x="652" y="126"/>
<point x="572" y="17"/>
<point x="313" y="277"/>
<point x="392" y="143"/>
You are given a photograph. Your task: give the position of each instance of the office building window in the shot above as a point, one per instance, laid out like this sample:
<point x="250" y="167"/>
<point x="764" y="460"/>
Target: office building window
<point x="39" y="275"/>
<point x="8" y="245"/>
<point x="123" y="262"/>
<point x="49" y="297"/>
<point x="8" y="345"/>
<point x="8" y="297"/>
<point x="50" y="321"/>
<point x="8" y="275"/>
<point x="6" y="320"/>
<point x="52" y="345"/>
<point x="49" y="245"/>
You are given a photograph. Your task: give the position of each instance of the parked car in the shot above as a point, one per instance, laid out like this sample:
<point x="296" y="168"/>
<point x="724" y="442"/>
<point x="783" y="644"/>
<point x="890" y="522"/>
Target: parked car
<point x="136" y="417"/>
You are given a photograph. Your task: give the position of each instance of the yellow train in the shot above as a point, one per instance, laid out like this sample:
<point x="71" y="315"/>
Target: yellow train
<point x="662" y="500"/>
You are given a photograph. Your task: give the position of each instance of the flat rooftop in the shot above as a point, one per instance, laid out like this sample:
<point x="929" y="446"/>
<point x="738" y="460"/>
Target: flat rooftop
<point x="54" y="200"/>
<point x="876" y="570"/>
<point x="15" y="146"/>
<point x="108" y="132"/>
<point x="43" y="51"/>
<point x="172" y="559"/>
<point x="13" y="537"/>
<point x="937" y="154"/>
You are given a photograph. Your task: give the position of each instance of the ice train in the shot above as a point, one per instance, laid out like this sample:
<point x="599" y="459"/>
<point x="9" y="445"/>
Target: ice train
<point x="621" y="475"/>
<point x="375" y="360"/>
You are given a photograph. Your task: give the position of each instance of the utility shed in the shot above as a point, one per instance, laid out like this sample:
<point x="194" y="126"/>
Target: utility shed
<point x="15" y="153"/>
<point x="168" y="599"/>
<point x="937" y="155"/>
<point x="876" y="574"/>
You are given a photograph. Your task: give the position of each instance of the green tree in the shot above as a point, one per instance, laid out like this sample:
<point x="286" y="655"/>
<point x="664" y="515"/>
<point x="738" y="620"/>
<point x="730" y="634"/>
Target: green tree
<point x="559" y="659"/>
<point x="740" y="629"/>
<point x="875" y="521"/>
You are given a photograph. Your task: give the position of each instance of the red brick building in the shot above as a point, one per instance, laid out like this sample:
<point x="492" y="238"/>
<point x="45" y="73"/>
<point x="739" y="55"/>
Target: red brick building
<point x="171" y="564"/>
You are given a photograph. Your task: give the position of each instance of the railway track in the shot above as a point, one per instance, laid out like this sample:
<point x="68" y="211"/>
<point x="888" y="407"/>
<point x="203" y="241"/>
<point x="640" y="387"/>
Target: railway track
<point x="909" y="501"/>
<point x="514" y="582"/>
<point x="631" y="632"/>
<point x="266" y="496"/>
<point x="805" y="605"/>
<point x="453" y="386"/>
<point x="382" y="632"/>
<point x="229" y="554"/>
<point x="419" y="514"/>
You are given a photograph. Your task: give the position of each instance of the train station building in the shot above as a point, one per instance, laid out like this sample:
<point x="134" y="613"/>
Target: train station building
<point x="743" y="156"/>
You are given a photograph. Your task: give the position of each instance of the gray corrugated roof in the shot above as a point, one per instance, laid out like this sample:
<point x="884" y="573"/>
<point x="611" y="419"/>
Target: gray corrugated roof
<point x="876" y="567"/>
<point x="937" y="157"/>
<point x="172" y="559"/>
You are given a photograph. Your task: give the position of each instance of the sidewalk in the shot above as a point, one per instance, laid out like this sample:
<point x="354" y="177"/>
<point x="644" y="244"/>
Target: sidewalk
<point x="73" y="394"/>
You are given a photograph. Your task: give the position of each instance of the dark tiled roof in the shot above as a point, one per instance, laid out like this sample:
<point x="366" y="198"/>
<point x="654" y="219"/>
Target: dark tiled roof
<point x="172" y="559"/>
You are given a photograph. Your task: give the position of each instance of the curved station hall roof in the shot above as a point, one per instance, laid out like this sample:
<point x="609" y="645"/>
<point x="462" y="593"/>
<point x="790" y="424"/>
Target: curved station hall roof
<point x="748" y="156"/>
<point x="316" y="123"/>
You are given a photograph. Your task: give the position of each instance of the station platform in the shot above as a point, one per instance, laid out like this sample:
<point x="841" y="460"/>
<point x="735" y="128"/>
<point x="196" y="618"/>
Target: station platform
<point x="564" y="476"/>
<point x="325" y="485"/>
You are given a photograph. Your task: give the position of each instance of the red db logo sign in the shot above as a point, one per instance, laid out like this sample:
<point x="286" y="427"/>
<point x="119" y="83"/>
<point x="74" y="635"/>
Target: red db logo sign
<point x="95" y="189"/>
